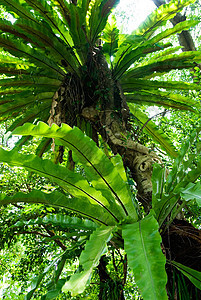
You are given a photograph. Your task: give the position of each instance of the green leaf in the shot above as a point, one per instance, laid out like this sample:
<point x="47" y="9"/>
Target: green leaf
<point x="30" y="82"/>
<point x="193" y="275"/>
<point x="142" y="244"/>
<point x="19" y="49"/>
<point x="89" y="259"/>
<point x="131" y="55"/>
<point x="152" y="129"/>
<point x="160" y="16"/>
<point x="180" y="167"/>
<point x="44" y="146"/>
<point x="165" y="99"/>
<point x="77" y="28"/>
<point x="118" y="164"/>
<point x="54" y="293"/>
<point x="130" y="84"/>
<point x="178" y="28"/>
<point x="16" y="8"/>
<point x="99" y="169"/>
<point x="50" y="16"/>
<point x="141" y="45"/>
<point x="60" y="220"/>
<point x="57" y="199"/>
<point x="63" y="8"/>
<point x="192" y="192"/>
<point x="98" y="17"/>
<point x="110" y="37"/>
<point x="165" y="64"/>
<point x="39" y="113"/>
<point x="11" y="106"/>
<point x="71" y="182"/>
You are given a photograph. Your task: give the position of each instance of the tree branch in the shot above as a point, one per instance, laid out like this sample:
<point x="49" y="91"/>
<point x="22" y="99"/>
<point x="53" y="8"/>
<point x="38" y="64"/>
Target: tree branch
<point x="57" y="241"/>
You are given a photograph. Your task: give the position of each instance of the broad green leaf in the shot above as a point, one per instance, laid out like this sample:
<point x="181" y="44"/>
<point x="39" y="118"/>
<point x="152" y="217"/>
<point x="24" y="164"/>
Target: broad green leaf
<point x="69" y="181"/>
<point x="178" y="28"/>
<point x="129" y="84"/>
<point x="98" y="15"/>
<point x="25" y="68"/>
<point x="43" y="36"/>
<point x="110" y="37"/>
<point x="44" y="146"/>
<point x="50" y="16"/>
<point x="89" y="259"/>
<point x="15" y="104"/>
<point x="54" y="293"/>
<point x="18" y="49"/>
<point x="165" y="99"/>
<point x="29" y="115"/>
<point x="165" y="64"/>
<point x="100" y="171"/>
<point x="22" y="141"/>
<point x="77" y="29"/>
<point x="63" y="8"/>
<point x="152" y="129"/>
<point x="142" y="243"/>
<point x="160" y="16"/>
<point x="57" y="199"/>
<point x="177" y="173"/>
<point x="29" y="81"/>
<point x="13" y="69"/>
<point x="60" y="220"/>
<point x="118" y="164"/>
<point x="16" y="8"/>
<point x="129" y="58"/>
<point x="193" y="275"/>
<point x="127" y="55"/>
<point x="192" y="192"/>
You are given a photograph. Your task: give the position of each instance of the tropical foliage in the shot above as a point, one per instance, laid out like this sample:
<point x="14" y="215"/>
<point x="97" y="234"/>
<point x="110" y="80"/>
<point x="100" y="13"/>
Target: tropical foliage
<point x="66" y="64"/>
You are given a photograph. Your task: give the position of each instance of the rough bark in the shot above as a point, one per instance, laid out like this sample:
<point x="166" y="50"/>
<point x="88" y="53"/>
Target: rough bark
<point x="135" y="156"/>
<point x="98" y="99"/>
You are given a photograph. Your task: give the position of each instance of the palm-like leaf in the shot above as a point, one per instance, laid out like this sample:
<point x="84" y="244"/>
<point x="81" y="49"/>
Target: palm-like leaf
<point x="57" y="199"/>
<point x="100" y="171"/>
<point x="60" y="220"/>
<point x="71" y="182"/>
<point x="43" y="53"/>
